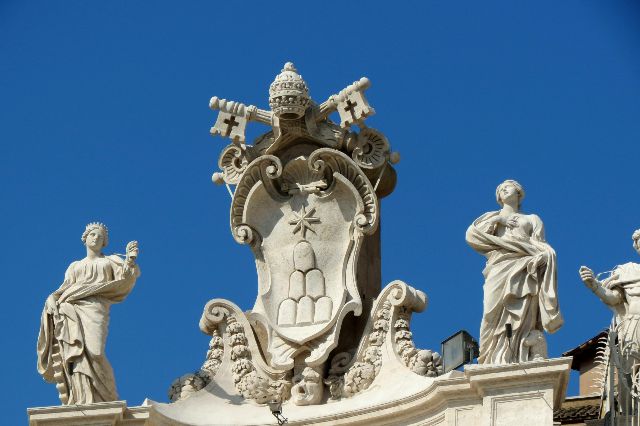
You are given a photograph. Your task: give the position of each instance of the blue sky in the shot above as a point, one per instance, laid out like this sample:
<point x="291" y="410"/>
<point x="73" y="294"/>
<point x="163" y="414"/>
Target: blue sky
<point x="104" y="116"/>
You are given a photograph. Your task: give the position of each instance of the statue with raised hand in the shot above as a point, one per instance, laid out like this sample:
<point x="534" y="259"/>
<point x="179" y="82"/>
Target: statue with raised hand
<point x="621" y="292"/>
<point x="75" y="319"/>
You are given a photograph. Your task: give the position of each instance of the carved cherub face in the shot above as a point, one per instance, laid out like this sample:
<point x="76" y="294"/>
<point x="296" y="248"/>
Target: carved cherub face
<point x="307" y="388"/>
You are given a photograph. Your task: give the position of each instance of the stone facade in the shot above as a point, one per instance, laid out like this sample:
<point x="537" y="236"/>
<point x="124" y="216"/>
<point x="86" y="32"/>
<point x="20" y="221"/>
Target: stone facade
<point x="326" y="342"/>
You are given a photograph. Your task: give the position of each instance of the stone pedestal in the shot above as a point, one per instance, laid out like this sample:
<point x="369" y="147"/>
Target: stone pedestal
<point x="98" y="414"/>
<point x="517" y="394"/>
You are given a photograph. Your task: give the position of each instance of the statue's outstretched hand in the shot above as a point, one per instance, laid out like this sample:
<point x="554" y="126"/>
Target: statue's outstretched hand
<point x="587" y="277"/>
<point x="132" y="251"/>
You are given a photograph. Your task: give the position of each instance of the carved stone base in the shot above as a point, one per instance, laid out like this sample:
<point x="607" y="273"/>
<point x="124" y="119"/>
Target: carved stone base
<point x="97" y="414"/>
<point x="236" y="360"/>
<point x="505" y="395"/>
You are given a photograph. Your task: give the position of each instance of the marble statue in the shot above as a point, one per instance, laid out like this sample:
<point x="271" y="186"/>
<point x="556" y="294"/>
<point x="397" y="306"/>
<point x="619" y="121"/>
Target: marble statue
<point x="75" y="319"/>
<point x="520" y="289"/>
<point x="621" y="291"/>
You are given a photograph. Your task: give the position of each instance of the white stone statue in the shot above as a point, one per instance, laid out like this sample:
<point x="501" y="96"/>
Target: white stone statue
<point x="75" y="319"/>
<point x="520" y="290"/>
<point x="621" y="291"/>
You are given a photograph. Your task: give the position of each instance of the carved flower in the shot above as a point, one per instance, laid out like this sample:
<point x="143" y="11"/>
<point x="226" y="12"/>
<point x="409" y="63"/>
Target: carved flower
<point x="384" y="313"/>
<point x="360" y="377"/>
<point x="238" y="339"/>
<point x="376" y="338"/>
<point x="242" y="366"/>
<point x="403" y="334"/>
<point x="372" y="354"/>
<point x="381" y="325"/>
<point x="239" y="351"/>
<point x="215" y="353"/>
<point x="211" y="366"/>
<point x="402" y="323"/>
<point x="216" y="342"/>
<point x="235" y="328"/>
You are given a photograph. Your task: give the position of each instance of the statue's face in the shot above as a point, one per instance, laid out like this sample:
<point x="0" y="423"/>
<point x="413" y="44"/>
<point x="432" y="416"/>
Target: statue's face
<point x="95" y="239"/>
<point x="508" y="192"/>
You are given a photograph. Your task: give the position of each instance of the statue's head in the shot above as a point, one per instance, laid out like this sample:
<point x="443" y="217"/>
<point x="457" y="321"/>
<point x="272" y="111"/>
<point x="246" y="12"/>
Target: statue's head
<point x="508" y="190"/>
<point x="636" y="240"/>
<point x="95" y="235"/>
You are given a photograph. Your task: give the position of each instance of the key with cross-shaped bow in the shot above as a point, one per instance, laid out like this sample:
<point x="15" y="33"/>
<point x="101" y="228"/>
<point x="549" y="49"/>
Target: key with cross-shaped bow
<point x="352" y="106"/>
<point x="233" y="117"/>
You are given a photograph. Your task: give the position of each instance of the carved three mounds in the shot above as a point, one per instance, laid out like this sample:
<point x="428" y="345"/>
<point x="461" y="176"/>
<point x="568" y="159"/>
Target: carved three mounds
<point x="307" y="302"/>
<point x="233" y="346"/>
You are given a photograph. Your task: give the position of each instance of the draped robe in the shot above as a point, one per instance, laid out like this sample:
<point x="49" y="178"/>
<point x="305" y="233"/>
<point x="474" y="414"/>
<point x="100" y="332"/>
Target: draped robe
<point x="520" y="288"/>
<point x="79" y="326"/>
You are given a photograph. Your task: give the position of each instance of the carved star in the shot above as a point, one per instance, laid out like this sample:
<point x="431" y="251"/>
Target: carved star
<point x="303" y="220"/>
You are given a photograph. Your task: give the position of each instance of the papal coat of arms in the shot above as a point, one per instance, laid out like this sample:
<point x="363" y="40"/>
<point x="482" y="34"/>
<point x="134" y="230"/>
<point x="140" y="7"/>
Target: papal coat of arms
<point x="305" y="199"/>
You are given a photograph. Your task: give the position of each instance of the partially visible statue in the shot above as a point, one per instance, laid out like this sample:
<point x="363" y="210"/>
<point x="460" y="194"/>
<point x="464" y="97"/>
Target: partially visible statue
<point x="621" y="291"/>
<point x="520" y="289"/>
<point x="75" y="319"/>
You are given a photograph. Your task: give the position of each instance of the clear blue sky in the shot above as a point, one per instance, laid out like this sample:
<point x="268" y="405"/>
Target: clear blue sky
<point x="104" y="116"/>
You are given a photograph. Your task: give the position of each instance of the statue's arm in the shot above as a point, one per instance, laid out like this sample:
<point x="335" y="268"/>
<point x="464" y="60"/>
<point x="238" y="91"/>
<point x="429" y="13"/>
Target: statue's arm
<point x="611" y="297"/>
<point x="480" y="234"/>
<point x="538" y="228"/>
<point x="130" y="268"/>
<point x="488" y="224"/>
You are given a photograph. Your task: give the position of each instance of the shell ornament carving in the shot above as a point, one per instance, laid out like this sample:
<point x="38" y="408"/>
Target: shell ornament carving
<point x="371" y="150"/>
<point x="233" y="162"/>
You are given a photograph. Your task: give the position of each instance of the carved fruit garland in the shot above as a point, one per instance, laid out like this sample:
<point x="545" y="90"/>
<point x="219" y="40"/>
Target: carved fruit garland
<point x="247" y="380"/>
<point x="421" y="361"/>
<point x="362" y="373"/>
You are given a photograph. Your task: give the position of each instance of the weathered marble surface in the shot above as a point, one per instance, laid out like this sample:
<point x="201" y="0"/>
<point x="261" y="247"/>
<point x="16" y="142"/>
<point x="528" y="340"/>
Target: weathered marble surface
<point x="323" y="338"/>
<point x="306" y="202"/>
<point x="75" y="319"/>
<point x="520" y="286"/>
<point x="483" y="395"/>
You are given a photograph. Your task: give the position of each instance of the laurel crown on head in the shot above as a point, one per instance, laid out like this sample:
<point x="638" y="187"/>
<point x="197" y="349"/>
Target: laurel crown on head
<point x="96" y="225"/>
